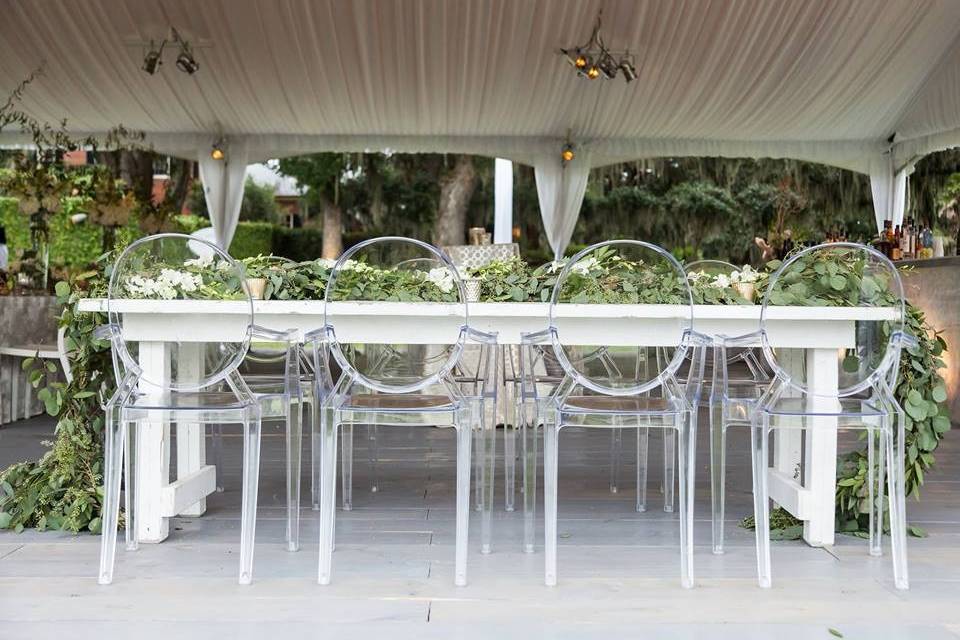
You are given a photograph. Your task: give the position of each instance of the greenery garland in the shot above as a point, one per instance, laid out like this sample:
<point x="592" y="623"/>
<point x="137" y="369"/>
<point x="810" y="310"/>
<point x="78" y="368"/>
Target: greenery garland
<point x="63" y="489"/>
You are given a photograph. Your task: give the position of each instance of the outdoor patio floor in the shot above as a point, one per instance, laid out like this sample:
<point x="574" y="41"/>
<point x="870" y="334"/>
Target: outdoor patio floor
<point x="393" y="567"/>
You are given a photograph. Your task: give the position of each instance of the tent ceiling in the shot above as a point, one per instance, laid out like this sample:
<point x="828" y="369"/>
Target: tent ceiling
<point x="819" y="80"/>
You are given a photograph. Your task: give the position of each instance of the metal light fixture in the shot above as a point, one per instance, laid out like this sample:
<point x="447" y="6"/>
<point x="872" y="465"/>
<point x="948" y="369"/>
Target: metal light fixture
<point x="568" y="152"/>
<point x="593" y="59"/>
<point x="217" y="152"/>
<point x="154" y="58"/>
<point x="186" y="61"/>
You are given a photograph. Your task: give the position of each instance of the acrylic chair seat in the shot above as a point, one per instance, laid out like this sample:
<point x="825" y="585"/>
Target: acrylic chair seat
<point x="396" y="402"/>
<point x="852" y="408"/>
<point x="619" y="405"/>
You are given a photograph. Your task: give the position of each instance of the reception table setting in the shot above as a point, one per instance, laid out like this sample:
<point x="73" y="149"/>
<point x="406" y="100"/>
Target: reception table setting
<point x="827" y="320"/>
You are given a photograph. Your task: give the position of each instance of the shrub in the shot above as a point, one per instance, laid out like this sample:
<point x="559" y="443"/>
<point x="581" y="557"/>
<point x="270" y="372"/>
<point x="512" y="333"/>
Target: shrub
<point x="70" y="245"/>
<point x="252" y="239"/>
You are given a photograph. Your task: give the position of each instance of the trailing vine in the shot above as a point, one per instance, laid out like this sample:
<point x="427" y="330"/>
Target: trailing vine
<point x="63" y="490"/>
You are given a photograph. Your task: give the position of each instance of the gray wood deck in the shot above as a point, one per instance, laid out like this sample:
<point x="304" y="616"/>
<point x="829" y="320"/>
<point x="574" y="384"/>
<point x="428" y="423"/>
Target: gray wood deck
<point x="619" y="570"/>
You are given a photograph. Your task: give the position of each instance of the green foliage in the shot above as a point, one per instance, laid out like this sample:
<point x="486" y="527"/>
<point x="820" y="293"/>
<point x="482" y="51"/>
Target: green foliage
<point x="921" y="391"/>
<point x="252" y="239"/>
<point x="63" y="490"/>
<point x="70" y="245"/>
<point x="190" y="222"/>
<point x="258" y="204"/>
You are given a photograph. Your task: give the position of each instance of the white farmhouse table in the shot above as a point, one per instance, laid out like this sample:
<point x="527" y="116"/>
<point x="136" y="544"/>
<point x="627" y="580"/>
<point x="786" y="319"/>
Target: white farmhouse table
<point x="818" y="331"/>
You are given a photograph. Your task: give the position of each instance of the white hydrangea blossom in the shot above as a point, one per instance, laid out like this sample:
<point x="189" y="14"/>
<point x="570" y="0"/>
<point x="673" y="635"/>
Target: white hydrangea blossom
<point x="167" y="286"/>
<point x="201" y="262"/>
<point x="721" y="281"/>
<point x="442" y="278"/>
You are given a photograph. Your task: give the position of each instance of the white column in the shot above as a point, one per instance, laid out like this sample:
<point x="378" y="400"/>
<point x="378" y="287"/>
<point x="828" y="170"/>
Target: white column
<point x="502" y="201"/>
<point x="560" y="190"/>
<point x="223" y="182"/>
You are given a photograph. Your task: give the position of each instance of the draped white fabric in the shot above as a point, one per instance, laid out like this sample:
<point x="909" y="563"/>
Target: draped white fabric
<point x="818" y="80"/>
<point x="502" y="201"/>
<point x="889" y="189"/>
<point x="223" y="182"/>
<point x="560" y="190"/>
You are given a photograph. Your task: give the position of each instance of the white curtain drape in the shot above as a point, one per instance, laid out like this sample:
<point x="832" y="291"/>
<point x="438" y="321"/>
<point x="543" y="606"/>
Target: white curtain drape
<point x="223" y="182"/>
<point x="502" y="201"/>
<point x="889" y="188"/>
<point x="560" y="190"/>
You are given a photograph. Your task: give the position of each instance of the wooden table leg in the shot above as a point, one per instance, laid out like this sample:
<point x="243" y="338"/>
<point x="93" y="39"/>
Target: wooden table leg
<point x="153" y="452"/>
<point x="820" y="448"/>
<point x="191" y="441"/>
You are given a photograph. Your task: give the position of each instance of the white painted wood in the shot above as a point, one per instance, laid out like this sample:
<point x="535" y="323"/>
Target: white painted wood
<point x="421" y="323"/>
<point x="187" y="491"/>
<point x="820" y="447"/>
<point x="191" y="443"/>
<point x="787" y="492"/>
<point x="788" y="443"/>
<point x="153" y="452"/>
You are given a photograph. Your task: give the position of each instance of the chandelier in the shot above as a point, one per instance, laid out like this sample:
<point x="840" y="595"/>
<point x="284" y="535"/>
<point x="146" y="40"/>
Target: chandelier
<point x="594" y="60"/>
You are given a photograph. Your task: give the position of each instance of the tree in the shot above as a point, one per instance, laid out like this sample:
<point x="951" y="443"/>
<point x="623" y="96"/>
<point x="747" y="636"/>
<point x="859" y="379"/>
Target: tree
<point x="322" y="174"/>
<point x="698" y="208"/>
<point x="456" y="189"/>
<point x="258" y="203"/>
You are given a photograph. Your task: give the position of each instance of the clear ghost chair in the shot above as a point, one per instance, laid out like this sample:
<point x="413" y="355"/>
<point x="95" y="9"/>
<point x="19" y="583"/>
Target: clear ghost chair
<point x="188" y="388"/>
<point x="858" y="396"/>
<point x="466" y="372"/>
<point x="383" y="358"/>
<point x="628" y="273"/>
<point x="406" y="378"/>
<point x="747" y="385"/>
<point x="747" y="379"/>
<point x="264" y="369"/>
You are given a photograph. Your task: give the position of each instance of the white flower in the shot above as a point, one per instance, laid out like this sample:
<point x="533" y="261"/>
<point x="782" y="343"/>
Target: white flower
<point x="442" y="278"/>
<point x="555" y="266"/>
<point x="697" y="276"/>
<point x="749" y="274"/>
<point x="721" y="281"/>
<point x="201" y="263"/>
<point x="327" y="263"/>
<point x="584" y="266"/>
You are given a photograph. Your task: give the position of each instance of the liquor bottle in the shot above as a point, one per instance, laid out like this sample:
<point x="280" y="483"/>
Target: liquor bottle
<point x="895" y="253"/>
<point x="911" y="239"/>
<point x="885" y="239"/>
